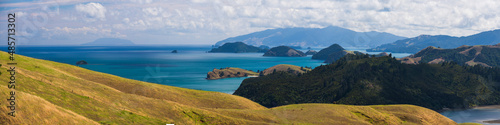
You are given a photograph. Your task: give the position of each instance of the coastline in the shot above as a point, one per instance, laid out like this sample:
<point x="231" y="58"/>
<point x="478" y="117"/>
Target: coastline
<point x="487" y="107"/>
<point x="492" y="121"/>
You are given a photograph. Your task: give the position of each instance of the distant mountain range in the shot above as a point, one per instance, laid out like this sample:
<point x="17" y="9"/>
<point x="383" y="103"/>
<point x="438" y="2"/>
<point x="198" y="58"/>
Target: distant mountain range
<point x="109" y="42"/>
<point x="314" y="37"/>
<point x="485" y="55"/>
<point x="413" y="45"/>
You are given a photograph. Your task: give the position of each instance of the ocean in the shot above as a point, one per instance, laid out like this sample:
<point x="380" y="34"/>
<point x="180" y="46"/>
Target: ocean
<point x="188" y="68"/>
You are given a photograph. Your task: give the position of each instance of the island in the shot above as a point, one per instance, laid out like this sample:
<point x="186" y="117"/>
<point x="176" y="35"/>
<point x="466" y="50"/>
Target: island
<point x="311" y="52"/>
<point x="229" y="72"/>
<point x="323" y="54"/>
<point x="81" y="62"/>
<point x="237" y="47"/>
<point x="109" y="42"/>
<point x="296" y="70"/>
<point x="284" y="51"/>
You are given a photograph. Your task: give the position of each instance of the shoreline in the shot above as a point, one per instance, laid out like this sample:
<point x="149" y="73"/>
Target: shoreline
<point x="492" y="121"/>
<point x="487" y="107"/>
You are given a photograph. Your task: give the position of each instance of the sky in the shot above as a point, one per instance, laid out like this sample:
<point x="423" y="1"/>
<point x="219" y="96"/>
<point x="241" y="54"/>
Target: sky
<point x="204" y="22"/>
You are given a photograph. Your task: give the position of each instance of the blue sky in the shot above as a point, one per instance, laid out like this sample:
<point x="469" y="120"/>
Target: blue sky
<point x="71" y="22"/>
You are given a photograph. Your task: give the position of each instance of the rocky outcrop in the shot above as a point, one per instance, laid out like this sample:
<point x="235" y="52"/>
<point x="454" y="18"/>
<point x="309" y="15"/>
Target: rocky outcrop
<point x="81" y="62"/>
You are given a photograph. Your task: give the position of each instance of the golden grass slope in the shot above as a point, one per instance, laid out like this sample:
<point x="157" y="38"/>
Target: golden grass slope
<point x="286" y="68"/>
<point x="56" y="93"/>
<point x="230" y="72"/>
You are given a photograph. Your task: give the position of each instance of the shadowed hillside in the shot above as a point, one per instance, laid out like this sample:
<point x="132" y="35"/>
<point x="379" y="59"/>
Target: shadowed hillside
<point x="56" y="93"/>
<point x="365" y="80"/>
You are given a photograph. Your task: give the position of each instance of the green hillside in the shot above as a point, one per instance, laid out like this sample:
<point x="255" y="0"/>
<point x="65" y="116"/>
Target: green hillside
<point x="54" y="93"/>
<point x="361" y="80"/>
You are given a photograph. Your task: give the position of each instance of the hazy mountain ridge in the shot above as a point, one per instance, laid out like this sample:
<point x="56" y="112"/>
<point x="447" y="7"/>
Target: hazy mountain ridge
<point x="314" y="37"/>
<point x="415" y="44"/>
<point x="485" y="55"/>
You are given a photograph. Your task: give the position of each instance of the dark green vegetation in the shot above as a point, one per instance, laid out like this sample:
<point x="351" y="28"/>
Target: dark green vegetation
<point x="413" y="45"/>
<point x="361" y="80"/>
<point x="324" y="53"/>
<point x="284" y="51"/>
<point x="109" y="42"/>
<point x="485" y="55"/>
<point x="314" y="37"/>
<point x="237" y="47"/>
<point x="332" y="53"/>
<point x="337" y="55"/>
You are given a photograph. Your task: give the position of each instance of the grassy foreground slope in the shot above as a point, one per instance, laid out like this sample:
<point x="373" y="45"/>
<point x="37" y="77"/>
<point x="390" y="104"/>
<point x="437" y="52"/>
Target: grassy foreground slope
<point x="55" y="93"/>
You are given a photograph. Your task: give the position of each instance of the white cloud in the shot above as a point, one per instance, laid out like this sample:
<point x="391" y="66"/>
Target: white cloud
<point x="142" y="1"/>
<point x="218" y="19"/>
<point x="92" y="11"/>
<point x="152" y="10"/>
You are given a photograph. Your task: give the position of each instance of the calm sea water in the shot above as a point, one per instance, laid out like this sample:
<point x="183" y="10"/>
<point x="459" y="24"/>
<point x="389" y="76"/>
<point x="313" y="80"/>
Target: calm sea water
<point x="156" y="64"/>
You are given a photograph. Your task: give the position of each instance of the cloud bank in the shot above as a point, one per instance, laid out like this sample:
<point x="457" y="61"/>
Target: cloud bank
<point x="208" y="21"/>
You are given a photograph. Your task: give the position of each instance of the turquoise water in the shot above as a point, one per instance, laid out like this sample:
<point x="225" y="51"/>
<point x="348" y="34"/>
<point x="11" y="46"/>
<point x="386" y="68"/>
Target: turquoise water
<point x="157" y="64"/>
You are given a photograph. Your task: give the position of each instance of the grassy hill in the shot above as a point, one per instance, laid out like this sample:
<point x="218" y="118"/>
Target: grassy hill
<point x="229" y="72"/>
<point x="55" y="93"/>
<point x="286" y="68"/>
